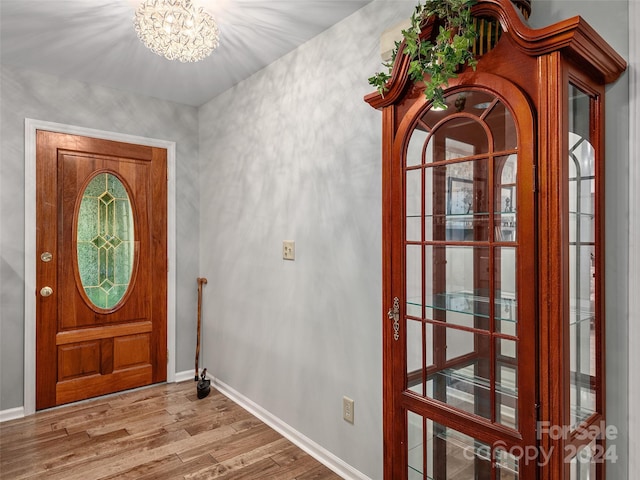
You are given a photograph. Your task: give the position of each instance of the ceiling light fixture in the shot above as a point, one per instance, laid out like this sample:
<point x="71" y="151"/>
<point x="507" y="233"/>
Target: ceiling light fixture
<point x="176" y="29"/>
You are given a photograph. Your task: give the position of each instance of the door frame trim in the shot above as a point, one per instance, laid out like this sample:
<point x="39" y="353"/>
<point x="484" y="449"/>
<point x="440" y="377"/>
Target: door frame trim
<point x="30" y="127"/>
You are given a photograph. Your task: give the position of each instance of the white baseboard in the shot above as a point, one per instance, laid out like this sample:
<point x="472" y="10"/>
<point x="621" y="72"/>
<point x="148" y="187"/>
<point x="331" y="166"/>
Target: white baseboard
<point x="11" y="414"/>
<point x="321" y="454"/>
<point x="184" y="376"/>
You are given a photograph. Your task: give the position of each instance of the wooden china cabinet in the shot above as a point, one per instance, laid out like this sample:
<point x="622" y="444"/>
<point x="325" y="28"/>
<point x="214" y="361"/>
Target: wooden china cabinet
<point x="493" y="330"/>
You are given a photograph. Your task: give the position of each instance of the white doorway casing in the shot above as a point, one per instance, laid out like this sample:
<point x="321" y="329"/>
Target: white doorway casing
<point x="31" y="126"/>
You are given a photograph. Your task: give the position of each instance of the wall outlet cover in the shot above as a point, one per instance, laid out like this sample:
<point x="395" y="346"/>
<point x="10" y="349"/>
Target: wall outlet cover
<point x="289" y="250"/>
<point x="347" y="409"/>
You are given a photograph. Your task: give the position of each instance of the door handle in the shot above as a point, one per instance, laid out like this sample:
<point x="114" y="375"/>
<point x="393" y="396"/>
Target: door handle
<point x="46" y="291"/>
<point x="394" y="314"/>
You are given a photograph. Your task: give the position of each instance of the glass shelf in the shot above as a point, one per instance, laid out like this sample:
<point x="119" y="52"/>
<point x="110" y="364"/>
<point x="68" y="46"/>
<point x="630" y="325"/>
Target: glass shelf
<point x="468" y="381"/>
<point x="590" y="215"/>
<point x="469" y="220"/>
<point x="468" y="390"/>
<point x="579" y="414"/>
<point x="511" y="213"/>
<point x="469" y="304"/>
<point x="581" y="315"/>
<point x="464" y="227"/>
<point x="465" y="456"/>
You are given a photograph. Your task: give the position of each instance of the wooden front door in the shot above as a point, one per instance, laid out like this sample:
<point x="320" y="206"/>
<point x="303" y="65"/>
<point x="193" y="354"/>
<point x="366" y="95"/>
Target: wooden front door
<point x="101" y="246"/>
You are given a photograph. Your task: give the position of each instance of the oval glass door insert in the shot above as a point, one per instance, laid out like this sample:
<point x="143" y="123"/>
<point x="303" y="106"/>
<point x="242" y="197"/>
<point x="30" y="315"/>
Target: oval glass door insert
<point x="105" y="239"/>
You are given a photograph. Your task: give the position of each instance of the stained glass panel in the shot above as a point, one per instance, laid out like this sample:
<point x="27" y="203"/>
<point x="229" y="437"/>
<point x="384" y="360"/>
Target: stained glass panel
<point x="105" y="238"/>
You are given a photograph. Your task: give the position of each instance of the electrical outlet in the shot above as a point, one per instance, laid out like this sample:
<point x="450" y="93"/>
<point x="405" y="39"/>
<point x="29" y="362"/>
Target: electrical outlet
<point x="289" y="250"/>
<point x="347" y="409"/>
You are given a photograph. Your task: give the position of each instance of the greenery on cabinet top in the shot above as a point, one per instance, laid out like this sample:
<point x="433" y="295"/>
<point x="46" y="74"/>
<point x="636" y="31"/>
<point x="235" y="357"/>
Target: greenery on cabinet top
<point x="435" y="63"/>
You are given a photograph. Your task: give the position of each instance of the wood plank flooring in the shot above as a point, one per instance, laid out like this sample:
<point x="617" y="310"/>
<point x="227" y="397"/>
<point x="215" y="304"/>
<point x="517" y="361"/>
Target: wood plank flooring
<point x="158" y="432"/>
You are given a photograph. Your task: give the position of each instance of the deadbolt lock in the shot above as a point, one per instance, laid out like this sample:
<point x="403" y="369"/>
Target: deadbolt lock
<point x="46" y="256"/>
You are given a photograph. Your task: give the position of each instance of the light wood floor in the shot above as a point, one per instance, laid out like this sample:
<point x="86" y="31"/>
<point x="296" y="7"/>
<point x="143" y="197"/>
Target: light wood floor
<point x="160" y="432"/>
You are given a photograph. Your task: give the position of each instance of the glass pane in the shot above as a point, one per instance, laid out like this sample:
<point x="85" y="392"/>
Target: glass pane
<point x="413" y="202"/>
<point x="459" y="456"/>
<point x="506" y="302"/>
<point x="507" y="465"/>
<point x="582" y="332"/>
<point x="582" y="152"/>
<point x="415" y="446"/>
<point x="419" y="347"/>
<point x="457" y="201"/>
<point x="506" y="383"/>
<point x="457" y="138"/>
<point x="582" y="308"/>
<point x="414" y="356"/>
<point x="428" y="349"/>
<point x="413" y="279"/>
<point x="465" y="386"/>
<point x="457" y="289"/>
<point x="502" y="127"/>
<point x="505" y="196"/>
<point x="416" y="146"/>
<point x="105" y="240"/>
<point x="474" y="102"/>
<point x="582" y="465"/>
<point x="581" y="190"/>
<point x="459" y="343"/>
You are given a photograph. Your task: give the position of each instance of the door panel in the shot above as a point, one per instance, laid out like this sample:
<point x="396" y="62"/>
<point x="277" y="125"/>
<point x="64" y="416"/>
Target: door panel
<point x="87" y="347"/>
<point x="78" y="360"/>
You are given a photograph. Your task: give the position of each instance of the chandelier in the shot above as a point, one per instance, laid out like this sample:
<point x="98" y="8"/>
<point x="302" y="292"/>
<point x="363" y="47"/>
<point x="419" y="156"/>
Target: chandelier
<point x="176" y="29"/>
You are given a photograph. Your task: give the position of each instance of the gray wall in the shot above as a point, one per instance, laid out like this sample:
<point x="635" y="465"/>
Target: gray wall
<point x="609" y="19"/>
<point x="42" y="97"/>
<point x="294" y="154"/>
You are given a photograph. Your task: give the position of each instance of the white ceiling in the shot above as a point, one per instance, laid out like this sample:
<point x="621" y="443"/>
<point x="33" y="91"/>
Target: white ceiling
<point x="94" y="41"/>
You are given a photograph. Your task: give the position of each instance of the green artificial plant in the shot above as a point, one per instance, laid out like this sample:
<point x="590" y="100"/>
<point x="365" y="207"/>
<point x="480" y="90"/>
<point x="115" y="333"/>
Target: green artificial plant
<point x="437" y="61"/>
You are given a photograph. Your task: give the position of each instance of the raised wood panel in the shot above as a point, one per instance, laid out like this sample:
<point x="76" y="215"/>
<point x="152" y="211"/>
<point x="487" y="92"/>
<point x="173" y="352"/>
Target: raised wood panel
<point x="97" y="333"/>
<point x="78" y="360"/>
<point x="130" y="351"/>
<point x="96" y="385"/>
<point x="106" y="356"/>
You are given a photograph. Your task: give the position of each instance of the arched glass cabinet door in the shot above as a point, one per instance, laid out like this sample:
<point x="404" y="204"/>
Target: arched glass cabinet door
<point x="469" y="390"/>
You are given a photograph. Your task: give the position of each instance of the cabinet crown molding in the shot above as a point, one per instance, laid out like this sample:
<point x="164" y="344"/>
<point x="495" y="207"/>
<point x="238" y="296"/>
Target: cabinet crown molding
<point x="573" y="37"/>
